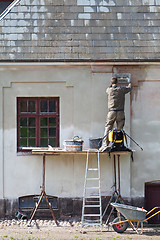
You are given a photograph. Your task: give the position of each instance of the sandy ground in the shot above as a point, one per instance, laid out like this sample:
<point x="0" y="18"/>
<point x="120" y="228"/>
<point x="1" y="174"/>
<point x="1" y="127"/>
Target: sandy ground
<point x="19" y="230"/>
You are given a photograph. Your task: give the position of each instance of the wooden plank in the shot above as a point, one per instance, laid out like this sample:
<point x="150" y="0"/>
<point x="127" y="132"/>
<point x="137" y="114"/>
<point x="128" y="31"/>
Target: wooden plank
<point x="58" y="151"/>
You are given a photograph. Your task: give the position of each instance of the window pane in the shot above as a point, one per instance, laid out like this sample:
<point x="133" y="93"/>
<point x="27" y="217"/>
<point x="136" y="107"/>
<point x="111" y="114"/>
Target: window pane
<point x="44" y="122"/>
<point x="52" y="142"/>
<point x="43" y="106"/>
<point x="32" y="132"/>
<point x="23" y="122"/>
<point x="44" y="142"/>
<point x="32" y="142"/>
<point x="52" y="122"/>
<point x="23" y="132"/>
<point x="52" y="132"/>
<point x="23" y="106"/>
<point x="52" y="106"/>
<point x="31" y="106"/>
<point x="23" y="142"/>
<point x="32" y="122"/>
<point x="44" y="132"/>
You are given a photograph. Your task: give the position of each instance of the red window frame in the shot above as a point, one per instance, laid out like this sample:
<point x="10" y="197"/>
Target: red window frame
<point x="38" y="115"/>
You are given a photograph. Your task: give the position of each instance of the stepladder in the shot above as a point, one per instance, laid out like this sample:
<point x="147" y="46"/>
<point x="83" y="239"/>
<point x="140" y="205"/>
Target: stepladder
<point x="91" y="208"/>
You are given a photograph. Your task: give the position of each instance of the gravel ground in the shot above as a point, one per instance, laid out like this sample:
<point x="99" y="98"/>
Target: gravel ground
<point x="47" y="229"/>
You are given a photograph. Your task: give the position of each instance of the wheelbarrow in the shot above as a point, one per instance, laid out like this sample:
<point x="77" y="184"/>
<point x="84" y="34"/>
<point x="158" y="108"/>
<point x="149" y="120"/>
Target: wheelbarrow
<point x="131" y="215"/>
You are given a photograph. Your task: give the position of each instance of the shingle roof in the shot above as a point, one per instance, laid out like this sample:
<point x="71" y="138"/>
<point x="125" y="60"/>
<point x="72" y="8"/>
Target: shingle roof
<point x="81" y="30"/>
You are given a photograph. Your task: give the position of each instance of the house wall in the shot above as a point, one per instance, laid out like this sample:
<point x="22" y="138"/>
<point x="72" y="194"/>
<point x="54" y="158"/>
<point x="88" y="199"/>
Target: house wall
<point x="144" y="125"/>
<point x="83" y="108"/>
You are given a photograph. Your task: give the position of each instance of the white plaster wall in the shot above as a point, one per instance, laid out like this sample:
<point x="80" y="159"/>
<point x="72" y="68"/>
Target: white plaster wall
<point x="82" y="112"/>
<point x="145" y="128"/>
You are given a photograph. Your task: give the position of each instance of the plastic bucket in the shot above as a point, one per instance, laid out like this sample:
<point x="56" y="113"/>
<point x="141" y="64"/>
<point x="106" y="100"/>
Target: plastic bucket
<point x="73" y="145"/>
<point x="95" y="143"/>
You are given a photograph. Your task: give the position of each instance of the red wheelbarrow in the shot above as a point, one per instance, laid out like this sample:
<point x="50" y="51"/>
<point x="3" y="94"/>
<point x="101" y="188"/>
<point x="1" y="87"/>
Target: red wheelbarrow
<point x="131" y="215"/>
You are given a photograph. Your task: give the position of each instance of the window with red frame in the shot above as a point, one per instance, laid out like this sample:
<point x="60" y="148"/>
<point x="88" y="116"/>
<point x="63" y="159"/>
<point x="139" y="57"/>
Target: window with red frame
<point x="37" y="122"/>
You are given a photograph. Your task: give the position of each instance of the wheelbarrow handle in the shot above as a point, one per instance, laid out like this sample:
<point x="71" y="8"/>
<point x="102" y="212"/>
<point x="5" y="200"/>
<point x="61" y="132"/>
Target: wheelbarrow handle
<point x="152" y="210"/>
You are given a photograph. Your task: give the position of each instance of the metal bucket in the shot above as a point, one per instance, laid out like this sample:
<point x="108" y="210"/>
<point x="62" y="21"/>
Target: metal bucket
<point x="76" y="144"/>
<point x="95" y="143"/>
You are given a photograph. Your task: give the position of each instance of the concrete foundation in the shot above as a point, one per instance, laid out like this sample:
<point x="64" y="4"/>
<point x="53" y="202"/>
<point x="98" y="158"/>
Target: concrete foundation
<point x="68" y="207"/>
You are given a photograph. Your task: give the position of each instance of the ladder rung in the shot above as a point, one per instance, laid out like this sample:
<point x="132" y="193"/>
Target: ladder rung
<point x="92" y="221"/>
<point x="92" y="215"/>
<point x="97" y="199"/>
<point x="96" y="224"/>
<point x="92" y="201"/>
<point x="92" y="179"/>
<point x="92" y="196"/>
<point x="92" y="187"/>
<point x="92" y="206"/>
<point x="92" y="169"/>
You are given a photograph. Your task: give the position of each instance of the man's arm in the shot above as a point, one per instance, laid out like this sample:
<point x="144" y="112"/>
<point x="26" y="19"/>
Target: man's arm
<point x="128" y="88"/>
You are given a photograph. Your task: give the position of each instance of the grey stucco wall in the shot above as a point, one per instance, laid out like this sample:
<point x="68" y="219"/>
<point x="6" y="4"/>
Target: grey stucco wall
<point x="83" y="108"/>
<point x="81" y="30"/>
<point x="83" y="102"/>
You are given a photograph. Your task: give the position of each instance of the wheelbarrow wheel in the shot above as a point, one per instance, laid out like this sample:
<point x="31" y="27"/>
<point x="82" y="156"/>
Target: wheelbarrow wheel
<point x="120" y="227"/>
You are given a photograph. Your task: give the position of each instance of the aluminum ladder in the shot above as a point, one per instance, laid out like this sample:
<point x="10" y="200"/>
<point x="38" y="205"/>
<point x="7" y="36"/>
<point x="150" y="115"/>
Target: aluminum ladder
<point x="92" y="207"/>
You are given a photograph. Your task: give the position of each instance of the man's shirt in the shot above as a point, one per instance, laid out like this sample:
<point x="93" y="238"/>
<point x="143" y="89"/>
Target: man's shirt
<point x="116" y="97"/>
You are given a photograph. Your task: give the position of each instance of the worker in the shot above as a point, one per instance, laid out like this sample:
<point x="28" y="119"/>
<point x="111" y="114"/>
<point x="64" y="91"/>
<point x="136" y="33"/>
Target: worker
<point x="116" y="100"/>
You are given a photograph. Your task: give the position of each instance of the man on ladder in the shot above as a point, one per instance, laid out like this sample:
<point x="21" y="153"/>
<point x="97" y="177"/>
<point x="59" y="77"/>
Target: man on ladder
<point x="116" y="101"/>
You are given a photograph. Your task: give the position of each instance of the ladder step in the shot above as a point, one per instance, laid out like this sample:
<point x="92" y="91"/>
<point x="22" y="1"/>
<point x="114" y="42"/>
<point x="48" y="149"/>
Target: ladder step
<point x="92" y="202"/>
<point x="92" y="221"/>
<point x="92" y="169"/>
<point x="92" y="196"/>
<point x="92" y="215"/>
<point x="95" y="224"/>
<point x="93" y="179"/>
<point x="92" y="206"/>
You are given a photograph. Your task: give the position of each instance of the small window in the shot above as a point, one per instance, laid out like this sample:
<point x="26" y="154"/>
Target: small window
<point x="37" y="122"/>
